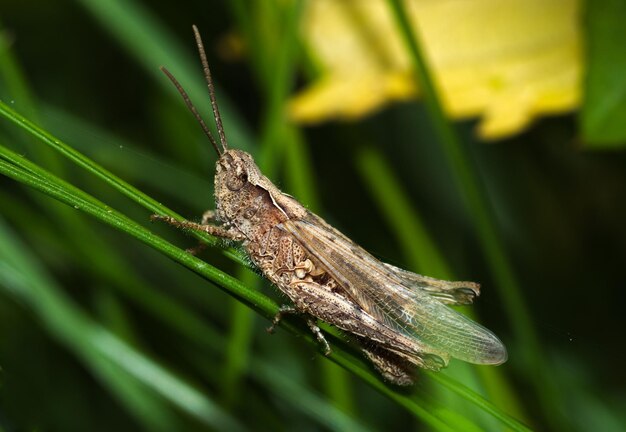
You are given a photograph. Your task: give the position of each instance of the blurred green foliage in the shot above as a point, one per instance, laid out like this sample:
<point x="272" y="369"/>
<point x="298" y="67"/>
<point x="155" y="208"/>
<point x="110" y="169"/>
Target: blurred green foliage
<point x="603" y="118"/>
<point x="99" y="331"/>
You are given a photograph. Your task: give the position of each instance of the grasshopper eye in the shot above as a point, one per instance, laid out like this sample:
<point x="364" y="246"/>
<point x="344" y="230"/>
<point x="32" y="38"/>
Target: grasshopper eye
<point x="236" y="182"/>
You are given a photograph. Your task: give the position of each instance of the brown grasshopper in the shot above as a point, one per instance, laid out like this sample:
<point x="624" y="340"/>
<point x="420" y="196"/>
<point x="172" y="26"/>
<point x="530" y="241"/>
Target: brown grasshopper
<point x="400" y="319"/>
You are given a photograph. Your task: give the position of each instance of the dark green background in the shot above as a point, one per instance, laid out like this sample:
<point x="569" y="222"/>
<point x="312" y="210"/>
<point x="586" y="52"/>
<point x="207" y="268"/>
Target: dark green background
<point x="559" y="206"/>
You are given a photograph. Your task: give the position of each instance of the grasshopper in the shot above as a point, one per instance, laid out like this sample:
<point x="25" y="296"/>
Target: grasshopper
<point x="401" y="320"/>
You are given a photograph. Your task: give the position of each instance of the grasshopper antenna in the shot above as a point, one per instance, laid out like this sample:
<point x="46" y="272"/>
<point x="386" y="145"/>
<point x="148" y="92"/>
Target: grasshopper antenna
<point x="192" y="108"/>
<point x="209" y="81"/>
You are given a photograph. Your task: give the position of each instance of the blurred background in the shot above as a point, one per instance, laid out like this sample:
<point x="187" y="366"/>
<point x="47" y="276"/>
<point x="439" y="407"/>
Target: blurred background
<point x="522" y="190"/>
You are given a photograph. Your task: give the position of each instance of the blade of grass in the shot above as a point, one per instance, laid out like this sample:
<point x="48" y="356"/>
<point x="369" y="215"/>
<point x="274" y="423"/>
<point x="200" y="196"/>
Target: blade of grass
<point x="276" y="82"/>
<point x="239" y="345"/>
<point x="75" y="231"/>
<point x="99" y="254"/>
<point x="136" y="165"/>
<point x="481" y="212"/>
<point x="47" y="184"/>
<point x="105" y="175"/>
<point x="423" y="256"/>
<point x="106" y="214"/>
<point x="477" y="399"/>
<point x="279" y="137"/>
<point x="106" y="354"/>
<point x="13" y="78"/>
<point x="409" y="231"/>
<point x="257" y="301"/>
<point x="310" y="403"/>
<point x="200" y="333"/>
<point x="154" y="302"/>
<point x="80" y="159"/>
<point x="278" y="86"/>
<point x="124" y="280"/>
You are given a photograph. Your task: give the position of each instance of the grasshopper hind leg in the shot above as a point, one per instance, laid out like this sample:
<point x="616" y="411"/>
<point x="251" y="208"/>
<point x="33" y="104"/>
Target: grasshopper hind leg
<point x="392" y="367"/>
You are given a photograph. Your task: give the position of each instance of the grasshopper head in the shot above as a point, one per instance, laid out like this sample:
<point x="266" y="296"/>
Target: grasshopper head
<point x="236" y="177"/>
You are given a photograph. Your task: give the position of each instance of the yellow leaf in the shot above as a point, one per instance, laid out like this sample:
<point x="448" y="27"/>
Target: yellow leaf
<point x="506" y="61"/>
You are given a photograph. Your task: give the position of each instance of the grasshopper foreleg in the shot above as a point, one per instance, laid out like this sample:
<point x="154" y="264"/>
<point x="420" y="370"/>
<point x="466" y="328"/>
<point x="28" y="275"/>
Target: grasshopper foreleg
<point x="214" y="230"/>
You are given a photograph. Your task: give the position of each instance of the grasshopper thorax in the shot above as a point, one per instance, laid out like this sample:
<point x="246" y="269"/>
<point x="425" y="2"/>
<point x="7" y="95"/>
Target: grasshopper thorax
<point x="244" y="196"/>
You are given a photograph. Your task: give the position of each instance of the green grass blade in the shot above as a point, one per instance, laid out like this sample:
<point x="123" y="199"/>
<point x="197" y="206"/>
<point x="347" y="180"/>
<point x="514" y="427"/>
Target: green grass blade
<point x="154" y="302"/>
<point x="109" y="178"/>
<point x="280" y="139"/>
<point x="278" y="87"/>
<point x="100" y="256"/>
<point x="131" y="163"/>
<point x="80" y="159"/>
<point x="483" y="218"/>
<point x="275" y="71"/>
<point x="239" y="345"/>
<point x="423" y="256"/>
<point x="22" y="277"/>
<point x="478" y="400"/>
<point x="603" y="116"/>
<point x="119" y="221"/>
<point x="46" y="183"/>
<point x="409" y="231"/>
<point x="14" y="84"/>
<point x="310" y="403"/>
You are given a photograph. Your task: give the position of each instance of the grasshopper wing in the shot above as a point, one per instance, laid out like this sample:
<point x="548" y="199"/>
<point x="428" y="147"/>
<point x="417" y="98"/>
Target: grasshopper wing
<point x="392" y="300"/>
<point x="447" y="292"/>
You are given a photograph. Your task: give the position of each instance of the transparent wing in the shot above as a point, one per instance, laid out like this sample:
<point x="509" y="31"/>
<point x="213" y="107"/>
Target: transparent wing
<point x="379" y="291"/>
<point x="454" y="293"/>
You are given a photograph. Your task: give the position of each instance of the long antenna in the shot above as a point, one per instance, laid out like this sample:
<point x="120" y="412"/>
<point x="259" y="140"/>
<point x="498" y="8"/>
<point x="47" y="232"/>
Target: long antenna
<point x="209" y="81"/>
<point x="192" y="108"/>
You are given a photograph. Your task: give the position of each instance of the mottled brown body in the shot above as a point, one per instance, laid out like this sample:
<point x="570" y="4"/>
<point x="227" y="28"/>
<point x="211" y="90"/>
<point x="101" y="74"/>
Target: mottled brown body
<point x="399" y="318"/>
<point x="274" y="230"/>
<point x="255" y="212"/>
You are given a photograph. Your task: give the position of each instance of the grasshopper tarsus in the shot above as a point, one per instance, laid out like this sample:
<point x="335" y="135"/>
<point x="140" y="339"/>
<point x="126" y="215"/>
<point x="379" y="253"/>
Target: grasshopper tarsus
<point x="319" y="336"/>
<point x="196" y="250"/>
<point x="208" y="216"/>
<point x="284" y="310"/>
